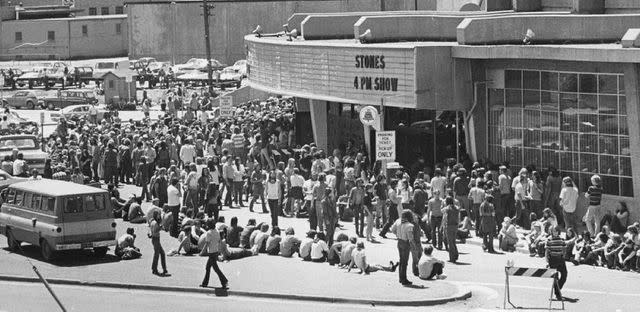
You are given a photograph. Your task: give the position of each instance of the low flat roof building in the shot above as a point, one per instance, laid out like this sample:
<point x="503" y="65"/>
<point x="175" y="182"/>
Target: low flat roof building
<point x="522" y="86"/>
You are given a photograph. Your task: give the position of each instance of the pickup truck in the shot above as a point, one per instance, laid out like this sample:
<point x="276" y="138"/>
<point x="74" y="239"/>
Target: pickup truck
<point x="66" y="98"/>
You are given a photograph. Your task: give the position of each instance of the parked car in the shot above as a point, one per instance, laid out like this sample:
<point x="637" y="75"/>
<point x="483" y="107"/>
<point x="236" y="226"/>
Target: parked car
<point x="239" y="67"/>
<point x="228" y="74"/>
<point x="104" y="67"/>
<point x="21" y="99"/>
<point x="28" y="145"/>
<point x="197" y="64"/>
<point x="66" y="98"/>
<point x="77" y="112"/>
<point x="141" y="63"/>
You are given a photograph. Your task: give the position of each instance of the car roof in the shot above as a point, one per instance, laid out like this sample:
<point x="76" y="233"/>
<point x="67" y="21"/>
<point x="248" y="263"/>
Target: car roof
<point x="18" y="136"/>
<point x="56" y="187"/>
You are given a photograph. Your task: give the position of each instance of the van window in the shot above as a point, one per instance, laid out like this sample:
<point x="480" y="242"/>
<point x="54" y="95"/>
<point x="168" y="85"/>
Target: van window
<point x="100" y="202"/>
<point x="49" y="203"/>
<point x="89" y="203"/>
<point x="73" y="204"/>
<point x="11" y="196"/>
<point x="36" y="201"/>
<point x="27" y="200"/>
<point x="19" y="198"/>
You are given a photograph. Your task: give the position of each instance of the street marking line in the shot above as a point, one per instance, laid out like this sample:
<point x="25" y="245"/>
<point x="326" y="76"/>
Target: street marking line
<point x="546" y="289"/>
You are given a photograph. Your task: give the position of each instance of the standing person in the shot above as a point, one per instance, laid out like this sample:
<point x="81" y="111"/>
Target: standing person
<point x="487" y="223"/>
<point x="210" y="245"/>
<point x="461" y="189"/>
<point x="504" y="184"/>
<point x="110" y="164"/>
<point x="451" y="219"/>
<point x="438" y="182"/>
<point x="380" y="191"/>
<point x="330" y="215"/>
<point x="227" y="174"/>
<point x="154" y="233"/>
<point x="368" y="205"/>
<point x="568" y="201"/>
<point x="554" y="253"/>
<point x="594" y="211"/>
<point x="257" y="188"/>
<point x="319" y="193"/>
<point x="173" y="201"/>
<point x="537" y="191"/>
<point x="273" y="190"/>
<point x="434" y="215"/>
<point x="552" y="188"/>
<point x="403" y="229"/>
<point x="238" y="181"/>
<point x="356" y="195"/>
<point x="394" y="203"/>
<point x="522" y="197"/>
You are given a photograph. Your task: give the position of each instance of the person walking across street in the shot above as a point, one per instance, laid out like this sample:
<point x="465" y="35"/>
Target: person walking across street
<point x="154" y="233"/>
<point x="210" y="243"/>
<point x="554" y="253"/>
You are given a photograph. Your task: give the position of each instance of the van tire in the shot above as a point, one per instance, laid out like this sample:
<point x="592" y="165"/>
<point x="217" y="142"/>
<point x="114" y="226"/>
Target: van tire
<point x="45" y="250"/>
<point x="14" y="245"/>
<point x="100" y="252"/>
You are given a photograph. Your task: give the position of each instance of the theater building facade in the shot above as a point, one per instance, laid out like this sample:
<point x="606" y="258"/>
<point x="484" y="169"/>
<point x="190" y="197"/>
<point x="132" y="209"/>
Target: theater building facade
<point x="524" y="87"/>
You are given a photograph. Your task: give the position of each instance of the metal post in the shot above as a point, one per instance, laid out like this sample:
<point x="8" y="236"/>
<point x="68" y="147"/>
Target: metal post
<point x="207" y="41"/>
<point x="434" y="126"/>
<point x="383" y="163"/>
<point x="46" y="284"/>
<point x="457" y="138"/>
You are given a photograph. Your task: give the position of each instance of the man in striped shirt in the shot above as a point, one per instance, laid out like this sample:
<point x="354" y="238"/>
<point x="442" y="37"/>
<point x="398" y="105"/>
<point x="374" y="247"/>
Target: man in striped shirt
<point x="555" y="250"/>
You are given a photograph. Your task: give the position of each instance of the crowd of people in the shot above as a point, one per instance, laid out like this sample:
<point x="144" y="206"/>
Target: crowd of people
<point x="196" y="165"/>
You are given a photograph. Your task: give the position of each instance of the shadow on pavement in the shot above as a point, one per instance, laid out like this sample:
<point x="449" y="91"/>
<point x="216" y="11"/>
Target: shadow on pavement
<point x="460" y="263"/>
<point x="67" y="258"/>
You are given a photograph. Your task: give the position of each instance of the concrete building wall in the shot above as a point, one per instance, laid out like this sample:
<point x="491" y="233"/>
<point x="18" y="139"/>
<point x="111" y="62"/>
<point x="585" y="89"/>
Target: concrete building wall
<point x="34" y="32"/>
<point x="175" y="31"/>
<point x="102" y="38"/>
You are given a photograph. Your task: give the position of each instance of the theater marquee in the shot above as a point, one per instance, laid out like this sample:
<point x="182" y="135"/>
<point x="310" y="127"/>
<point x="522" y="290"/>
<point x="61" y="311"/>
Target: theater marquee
<point x="351" y="73"/>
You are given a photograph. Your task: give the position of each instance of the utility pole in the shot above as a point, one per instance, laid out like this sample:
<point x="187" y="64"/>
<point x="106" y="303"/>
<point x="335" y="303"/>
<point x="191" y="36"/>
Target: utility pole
<point x="207" y="7"/>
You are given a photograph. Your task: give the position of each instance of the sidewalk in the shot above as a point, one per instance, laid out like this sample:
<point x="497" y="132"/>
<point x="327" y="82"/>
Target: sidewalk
<point x="258" y="276"/>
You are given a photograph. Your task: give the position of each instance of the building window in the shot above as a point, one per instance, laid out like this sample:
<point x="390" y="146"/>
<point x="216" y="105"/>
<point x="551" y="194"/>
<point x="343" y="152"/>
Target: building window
<point x="119" y="9"/>
<point x="93" y="11"/>
<point x="85" y="31"/>
<point x="18" y="36"/>
<point x="104" y="10"/>
<point x="118" y="29"/>
<point x="111" y="84"/>
<point x="576" y="122"/>
<point x="51" y="35"/>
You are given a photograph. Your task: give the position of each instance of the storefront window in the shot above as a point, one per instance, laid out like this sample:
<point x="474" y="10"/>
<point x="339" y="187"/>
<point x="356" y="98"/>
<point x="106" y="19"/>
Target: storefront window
<point x="576" y="122"/>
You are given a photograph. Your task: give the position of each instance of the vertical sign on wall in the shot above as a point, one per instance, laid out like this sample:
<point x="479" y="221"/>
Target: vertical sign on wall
<point x="386" y="145"/>
<point x="226" y="107"/>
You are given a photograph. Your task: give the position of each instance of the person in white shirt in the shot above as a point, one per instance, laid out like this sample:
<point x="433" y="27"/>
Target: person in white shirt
<point x="568" y="201"/>
<point x="210" y="247"/>
<point x="295" y="192"/>
<point x="173" y="202"/>
<point x="4" y="124"/>
<point x="272" y="190"/>
<point x="188" y="152"/>
<point x="307" y="189"/>
<point x="430" y="267"/>
<point x="439" y="182"/>
<point x="19" y="166"/>
<point x="359" y="259"/>
<point x="319" y="248"/>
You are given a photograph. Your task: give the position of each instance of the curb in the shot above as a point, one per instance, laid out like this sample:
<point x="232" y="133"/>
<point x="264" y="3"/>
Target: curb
<point x="462" y="293"/>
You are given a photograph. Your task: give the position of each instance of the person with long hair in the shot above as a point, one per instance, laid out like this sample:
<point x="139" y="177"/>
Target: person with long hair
<point x="210" y="248"/>
<point x="487" y="223"/>
<point x="238" y="181"/>
<point x="450" y="221"/>
<point x="158" y="251"/>
<point x="404" y="230"/>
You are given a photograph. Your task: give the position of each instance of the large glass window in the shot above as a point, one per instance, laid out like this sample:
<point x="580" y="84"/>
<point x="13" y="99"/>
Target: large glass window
<point x="576" y="122"/>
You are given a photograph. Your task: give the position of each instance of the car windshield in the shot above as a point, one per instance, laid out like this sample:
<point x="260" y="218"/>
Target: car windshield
<point x="19" y="143"/>
<point x="105" y="65"/>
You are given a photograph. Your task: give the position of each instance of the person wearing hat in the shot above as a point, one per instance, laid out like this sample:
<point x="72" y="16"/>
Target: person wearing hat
<point x="487" y="223"/>
<point x="594" y="211"/>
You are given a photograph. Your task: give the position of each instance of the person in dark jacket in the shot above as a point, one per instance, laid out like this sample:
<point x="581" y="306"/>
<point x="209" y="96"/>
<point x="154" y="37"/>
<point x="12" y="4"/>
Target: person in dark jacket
<point x="110" y="164"/>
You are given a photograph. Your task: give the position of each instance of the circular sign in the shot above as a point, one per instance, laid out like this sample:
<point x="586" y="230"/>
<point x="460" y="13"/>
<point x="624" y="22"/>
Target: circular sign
<point x="368" y="115"/>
